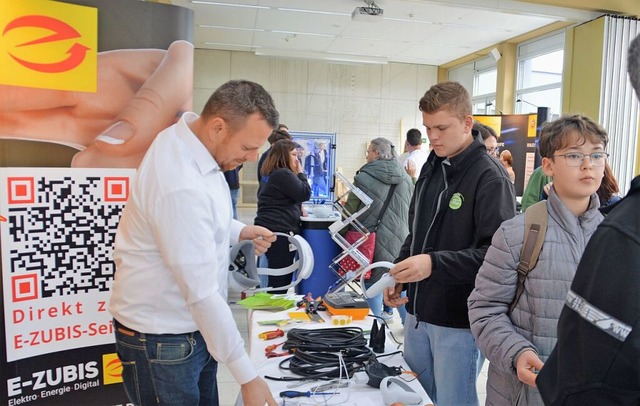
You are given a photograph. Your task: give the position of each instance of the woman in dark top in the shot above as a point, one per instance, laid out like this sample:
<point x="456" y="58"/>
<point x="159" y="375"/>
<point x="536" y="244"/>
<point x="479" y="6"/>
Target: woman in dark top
<point x="283" y="188"/>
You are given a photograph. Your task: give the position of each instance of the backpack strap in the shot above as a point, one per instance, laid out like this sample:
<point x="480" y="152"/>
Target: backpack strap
<point x="535" y="228"/>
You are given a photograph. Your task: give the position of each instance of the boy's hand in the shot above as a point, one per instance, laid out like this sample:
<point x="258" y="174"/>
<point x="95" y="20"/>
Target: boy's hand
<point x="412" y="269"/>
<point x="392" y="296"/>
<point x="527" y="366"/>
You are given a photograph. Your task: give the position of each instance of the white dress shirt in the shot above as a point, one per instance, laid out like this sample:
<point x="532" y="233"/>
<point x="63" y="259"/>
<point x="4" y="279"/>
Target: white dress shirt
<point x="172" y="248"/>
<point x="418" y="157"/>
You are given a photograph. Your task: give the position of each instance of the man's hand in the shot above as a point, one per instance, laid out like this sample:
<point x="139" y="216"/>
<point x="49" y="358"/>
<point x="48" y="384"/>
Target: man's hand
<point x="262" y="238"/>
<point x="527" y="366"/>
<point x="257" y="393"/>
<point x="412" y="269"/>
<point x="392" y="296"/>
<point x="410" y="169"/>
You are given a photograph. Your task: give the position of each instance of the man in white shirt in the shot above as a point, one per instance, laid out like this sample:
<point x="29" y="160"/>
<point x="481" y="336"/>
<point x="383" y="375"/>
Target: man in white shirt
<point x="416" y="155"/>
<point x="169" y="299"/>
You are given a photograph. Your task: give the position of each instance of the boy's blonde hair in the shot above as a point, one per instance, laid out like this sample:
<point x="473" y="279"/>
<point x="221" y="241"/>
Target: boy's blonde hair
<point x="554" y="135"/>
<point x="451" y="96"/>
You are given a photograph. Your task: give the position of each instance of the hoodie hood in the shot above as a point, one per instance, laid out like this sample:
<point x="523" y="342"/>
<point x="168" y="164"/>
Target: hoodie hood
<point x="389" y="172"/>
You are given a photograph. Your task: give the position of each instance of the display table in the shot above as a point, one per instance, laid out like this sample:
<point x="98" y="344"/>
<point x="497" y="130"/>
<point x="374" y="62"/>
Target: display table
<point x="316" y="232"/>
<point x="355" y="394"/>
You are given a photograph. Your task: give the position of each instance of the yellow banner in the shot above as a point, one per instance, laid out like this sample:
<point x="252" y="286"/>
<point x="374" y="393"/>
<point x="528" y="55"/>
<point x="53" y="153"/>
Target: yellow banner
<point x="48" y="44"/>
<point x="532" y="125"/>
<point x="495" y="122"/>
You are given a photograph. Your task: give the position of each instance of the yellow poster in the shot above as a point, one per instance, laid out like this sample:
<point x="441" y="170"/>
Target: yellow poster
<point x="495" y="122"/>
<point x="532" y="125"/>
<point x="48" y="44"/>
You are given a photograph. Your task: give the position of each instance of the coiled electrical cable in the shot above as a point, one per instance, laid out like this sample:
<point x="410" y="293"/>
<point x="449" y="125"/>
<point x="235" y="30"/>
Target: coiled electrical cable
<point x="317" y="353"/>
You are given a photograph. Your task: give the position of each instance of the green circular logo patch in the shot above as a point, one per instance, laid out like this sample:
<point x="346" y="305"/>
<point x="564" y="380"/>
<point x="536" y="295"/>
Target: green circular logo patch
<point x="456" y="201"/>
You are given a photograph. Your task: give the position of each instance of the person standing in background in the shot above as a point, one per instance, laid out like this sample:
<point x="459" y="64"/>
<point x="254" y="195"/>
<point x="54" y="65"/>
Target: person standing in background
<point x="608" y="191"/>
<point x="489" y="137"/>
<point x="275" y="136"/>
<point x="534" y="191"/>
<point x="283" y="188"/>
<point x="416" y="155"/>
<point x="460" y="199"/>
<point x="172" y="323"/>
<point x="375" y="179"/>
<point x="233" y="180"/>
<point x="507" y="162"/>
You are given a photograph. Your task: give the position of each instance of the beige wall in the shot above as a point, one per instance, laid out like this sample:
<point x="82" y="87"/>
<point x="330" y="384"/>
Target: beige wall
<point x="583" y="69"/>
<point x="357" y="102"/>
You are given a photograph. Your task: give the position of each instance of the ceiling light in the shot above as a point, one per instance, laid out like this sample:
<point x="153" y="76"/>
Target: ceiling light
<point x="298" y="10"/>
<point x="213" y="3"/>
<point x="230" y="28"/>
<point x="325" y="57"/>
<point x="230" y="45"/>
<point x="302" y="33"/>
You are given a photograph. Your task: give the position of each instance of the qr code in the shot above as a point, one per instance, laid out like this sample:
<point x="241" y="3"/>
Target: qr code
<point x="61" y="231"/>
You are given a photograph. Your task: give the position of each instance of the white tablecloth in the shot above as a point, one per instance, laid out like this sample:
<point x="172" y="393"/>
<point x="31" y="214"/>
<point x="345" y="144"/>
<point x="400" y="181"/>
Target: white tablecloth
<point x="355" y="394"/>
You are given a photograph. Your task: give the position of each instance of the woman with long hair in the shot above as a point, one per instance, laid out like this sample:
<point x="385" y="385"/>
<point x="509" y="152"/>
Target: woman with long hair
<point x="283" y="187"/>
<point x="608" y="190"/>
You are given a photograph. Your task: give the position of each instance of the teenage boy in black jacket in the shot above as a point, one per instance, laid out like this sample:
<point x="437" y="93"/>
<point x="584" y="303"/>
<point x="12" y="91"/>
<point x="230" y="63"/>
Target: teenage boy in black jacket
<point x="461" y="197"/>
<point x="596" y="360"/>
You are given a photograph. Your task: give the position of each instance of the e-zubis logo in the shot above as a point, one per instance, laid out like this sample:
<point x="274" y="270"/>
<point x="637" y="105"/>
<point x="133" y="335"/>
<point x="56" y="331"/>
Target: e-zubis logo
<point x="111" y="369"/>
<point x="52" y="382"/>
<point x="48" y="44"/>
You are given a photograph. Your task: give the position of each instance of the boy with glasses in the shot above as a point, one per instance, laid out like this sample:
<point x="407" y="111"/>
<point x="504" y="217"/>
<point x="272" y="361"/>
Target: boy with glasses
<point x="518" y="342"/>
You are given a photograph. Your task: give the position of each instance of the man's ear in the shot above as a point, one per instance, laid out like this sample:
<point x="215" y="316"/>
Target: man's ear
<point x="468" y="124"/>
<point x="547" y="166"/>
<point x="216" y="126"/>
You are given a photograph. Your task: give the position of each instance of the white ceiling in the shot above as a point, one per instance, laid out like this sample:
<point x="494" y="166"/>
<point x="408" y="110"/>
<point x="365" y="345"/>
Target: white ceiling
<point x="410" y="31"/>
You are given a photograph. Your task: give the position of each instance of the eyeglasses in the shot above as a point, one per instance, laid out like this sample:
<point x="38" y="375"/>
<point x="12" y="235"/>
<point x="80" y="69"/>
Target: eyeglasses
<point x="493" y="151"/>
<point x="576" y="158"/>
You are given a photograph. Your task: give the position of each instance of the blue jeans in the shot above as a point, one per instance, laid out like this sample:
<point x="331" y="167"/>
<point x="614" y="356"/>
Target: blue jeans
<point x="235" y="193"/>
<point x="166" y="369"/>
<point x="447" y="360"/>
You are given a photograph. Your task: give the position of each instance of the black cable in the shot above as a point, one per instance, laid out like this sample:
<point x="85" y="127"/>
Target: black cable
<point x="317" y="353"/>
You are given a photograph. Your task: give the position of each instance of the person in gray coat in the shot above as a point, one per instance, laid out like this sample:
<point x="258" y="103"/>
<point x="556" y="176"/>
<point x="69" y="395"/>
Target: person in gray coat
<point x="518" y="343"/>
<point x="375" y="179"/>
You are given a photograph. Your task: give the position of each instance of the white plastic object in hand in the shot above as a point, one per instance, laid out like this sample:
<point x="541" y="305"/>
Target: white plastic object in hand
<point x="394" y="390"/>
<point x="385" y="281"/>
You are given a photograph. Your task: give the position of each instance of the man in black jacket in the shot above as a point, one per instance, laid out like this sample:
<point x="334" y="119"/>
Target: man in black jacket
<point x="460" y="199"/>
<point x="596" y="360"/>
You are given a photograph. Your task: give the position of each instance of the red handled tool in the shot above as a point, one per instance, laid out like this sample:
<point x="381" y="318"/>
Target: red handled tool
<point x="270" y="335"/>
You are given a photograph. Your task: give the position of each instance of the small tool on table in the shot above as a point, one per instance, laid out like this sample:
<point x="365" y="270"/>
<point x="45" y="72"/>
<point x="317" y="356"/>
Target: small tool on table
<point x="298" y="394"/>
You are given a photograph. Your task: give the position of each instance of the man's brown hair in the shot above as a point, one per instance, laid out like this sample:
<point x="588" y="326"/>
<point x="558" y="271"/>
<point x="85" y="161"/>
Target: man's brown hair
<point x="451" y="96"/>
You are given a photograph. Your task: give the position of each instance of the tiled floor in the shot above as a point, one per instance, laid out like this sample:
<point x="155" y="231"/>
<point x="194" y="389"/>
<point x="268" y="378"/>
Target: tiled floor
<point x="229" y="388"/>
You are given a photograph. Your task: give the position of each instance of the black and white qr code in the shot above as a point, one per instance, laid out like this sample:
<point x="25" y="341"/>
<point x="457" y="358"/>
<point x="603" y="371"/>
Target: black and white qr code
<point x="60" y="231"/>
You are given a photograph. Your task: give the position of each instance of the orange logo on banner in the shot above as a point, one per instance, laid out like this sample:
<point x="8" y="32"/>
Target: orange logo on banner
<point x="48" y="44"/>
<point x="111" y="369"/>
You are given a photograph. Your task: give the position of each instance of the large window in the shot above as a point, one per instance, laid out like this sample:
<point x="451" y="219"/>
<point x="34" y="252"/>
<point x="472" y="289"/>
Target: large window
<point x="480" y="78"/>
<point x="539" y="82"/>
